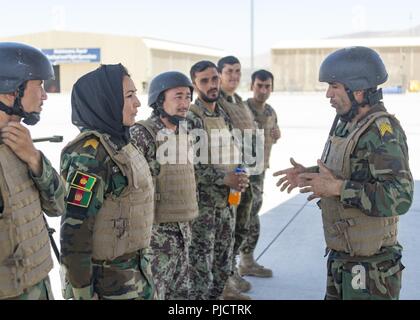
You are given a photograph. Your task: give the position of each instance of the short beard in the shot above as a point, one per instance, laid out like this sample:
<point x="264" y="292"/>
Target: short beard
<point x="205" y="98"/>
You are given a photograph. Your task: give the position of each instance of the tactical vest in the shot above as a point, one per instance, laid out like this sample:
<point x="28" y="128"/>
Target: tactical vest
<point x="124" y="223"/>
<point x="349" y="229"/>
<point x="267" y="123"/>
<point x="25" y="254"/>
<point x="239" y="113"/>
<point x="226" y="161"/>
<point x="175" y="187"/>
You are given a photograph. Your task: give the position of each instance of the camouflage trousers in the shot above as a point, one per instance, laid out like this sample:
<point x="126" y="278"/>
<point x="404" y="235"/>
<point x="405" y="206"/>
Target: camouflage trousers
<point x="250" y="240"/>
<point x="125" y="278"/>
<point x="365" y="278"/>
<point x="40" y="291"/>
<point x="169" y="258"/>
<point x="211" y="252"/>
<point x="242" y="222"/>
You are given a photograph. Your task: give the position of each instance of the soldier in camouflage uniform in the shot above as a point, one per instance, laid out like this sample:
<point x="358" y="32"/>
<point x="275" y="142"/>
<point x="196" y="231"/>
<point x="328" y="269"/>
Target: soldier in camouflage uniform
<point x="364" y="180"/>
<point x="266" y="118"/>
<point x="213" y="230"/>
<point x="106" y="229"/>
<point x="28" y="182"/>
<point x="242" y="119"/>
<point x="176" y="197"/>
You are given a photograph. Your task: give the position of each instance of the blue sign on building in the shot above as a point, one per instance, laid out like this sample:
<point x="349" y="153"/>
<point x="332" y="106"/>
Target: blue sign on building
<point x="73" y="55"/>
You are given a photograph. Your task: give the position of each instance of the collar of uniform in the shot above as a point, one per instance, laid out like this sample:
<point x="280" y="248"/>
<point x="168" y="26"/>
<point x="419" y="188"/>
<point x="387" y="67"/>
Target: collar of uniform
<point x="344" y="128"/>
<point x="216" y="113"/>
<point x="373" y="109"/>
<point x="254" y="108"/>
<point x="159" y="123"/>
<point x="236" y="99"/>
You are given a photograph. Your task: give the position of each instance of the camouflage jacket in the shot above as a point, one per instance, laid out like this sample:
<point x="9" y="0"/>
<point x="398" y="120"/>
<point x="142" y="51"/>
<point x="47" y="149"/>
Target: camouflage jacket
<point x="268" y="111"/>
<point x="380" y="173"/>
<point x="50" y="187"/>
<point x="210" y="180"/>
<point x="89" y="158"/>
<point x="146" y="143"/>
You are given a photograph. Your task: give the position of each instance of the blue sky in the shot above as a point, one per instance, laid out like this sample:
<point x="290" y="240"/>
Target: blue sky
<point x="221" y="24"/>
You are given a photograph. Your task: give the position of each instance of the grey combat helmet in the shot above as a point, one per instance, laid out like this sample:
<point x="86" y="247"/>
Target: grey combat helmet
<point x="161" y="83"/>
<point x="165" y="81"/>
<point x="357" y="68"/>
<point x="20" y="63"/>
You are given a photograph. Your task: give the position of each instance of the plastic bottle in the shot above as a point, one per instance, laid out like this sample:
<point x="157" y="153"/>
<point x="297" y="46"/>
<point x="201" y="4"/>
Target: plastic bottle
<point x="234" y="195"/>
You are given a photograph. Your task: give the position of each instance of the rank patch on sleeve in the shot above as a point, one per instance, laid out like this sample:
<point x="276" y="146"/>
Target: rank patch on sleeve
<point x="385" y="127"/>
<point x="83" y="181"/>
<point x="91" y="142"/>
<point x="79" y="197"/>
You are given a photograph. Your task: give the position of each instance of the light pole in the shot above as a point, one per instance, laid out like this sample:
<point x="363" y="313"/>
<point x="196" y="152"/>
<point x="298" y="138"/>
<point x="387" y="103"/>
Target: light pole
<point x="252" y="35"/>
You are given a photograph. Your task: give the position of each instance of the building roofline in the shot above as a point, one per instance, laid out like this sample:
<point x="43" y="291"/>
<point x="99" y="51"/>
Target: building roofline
<point x="348" y="42"/>
<point x="151" y="43"/>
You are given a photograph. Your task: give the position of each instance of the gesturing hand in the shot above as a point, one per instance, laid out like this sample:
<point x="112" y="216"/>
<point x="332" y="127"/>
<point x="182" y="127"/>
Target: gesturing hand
<point x="322" y="184"/>
<point x="290" y="179"/>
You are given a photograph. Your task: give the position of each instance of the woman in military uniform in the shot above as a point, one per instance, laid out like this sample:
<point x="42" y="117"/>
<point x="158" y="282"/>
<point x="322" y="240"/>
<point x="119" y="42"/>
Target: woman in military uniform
<point x="109" y="205"/>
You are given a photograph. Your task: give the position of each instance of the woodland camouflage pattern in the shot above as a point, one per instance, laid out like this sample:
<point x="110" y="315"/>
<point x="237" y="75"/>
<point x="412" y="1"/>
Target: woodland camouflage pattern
<point x="381" y="185"/>
<point x="85" y="275"/>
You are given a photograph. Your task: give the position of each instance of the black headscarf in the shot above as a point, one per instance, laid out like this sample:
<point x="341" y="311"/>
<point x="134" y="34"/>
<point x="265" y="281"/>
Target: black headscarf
<point x="97" y="102"/>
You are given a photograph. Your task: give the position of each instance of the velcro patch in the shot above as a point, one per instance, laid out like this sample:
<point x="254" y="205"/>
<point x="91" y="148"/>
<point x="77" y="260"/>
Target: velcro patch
<point x="92" y="143"/>
<point x="83" y="181"/>
<point x="79" y="197"/>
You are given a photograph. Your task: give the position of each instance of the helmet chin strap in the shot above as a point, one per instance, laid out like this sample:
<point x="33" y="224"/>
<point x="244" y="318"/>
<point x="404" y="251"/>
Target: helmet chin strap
<point x="371" y="97"/>
<point x="30" y="118"/>
<point x="354" y="106"/>
<point x="175" y="120"/>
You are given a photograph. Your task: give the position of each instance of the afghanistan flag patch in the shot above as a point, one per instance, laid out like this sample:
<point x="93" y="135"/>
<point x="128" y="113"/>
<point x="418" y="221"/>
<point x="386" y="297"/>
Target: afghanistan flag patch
<point x="83" y="181"/>
<point x="79" y="197"/>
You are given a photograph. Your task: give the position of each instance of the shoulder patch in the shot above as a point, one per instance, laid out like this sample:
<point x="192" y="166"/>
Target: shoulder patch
<point x="91" y="143"/>
<point x="384" y="126"/>
<point x="83" y="181"/>
<point x="79" y="197"/>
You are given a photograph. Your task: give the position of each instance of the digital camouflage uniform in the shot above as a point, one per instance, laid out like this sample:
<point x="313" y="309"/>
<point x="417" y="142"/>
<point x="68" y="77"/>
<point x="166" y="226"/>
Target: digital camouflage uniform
<point x="126" y="277"/>
<point x="381" y="186"/>
<point x="257" y="182"/>
<point x="213" y="231"/>
<point x="243" y="211"/>
<point x="169" y="246"/>
<point x="51" y="194"/>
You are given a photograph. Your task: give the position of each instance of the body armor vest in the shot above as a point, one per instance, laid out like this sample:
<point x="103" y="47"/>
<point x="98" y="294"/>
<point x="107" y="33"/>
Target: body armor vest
<point x="25" y="253"/>
<point x="267" y="123"/>
<point x="239" y="113"/>
<point x="124" y="223"/>
<point x="175" y="187"/>
<point x="349" y="229"/>
<point x="226" y="152"/>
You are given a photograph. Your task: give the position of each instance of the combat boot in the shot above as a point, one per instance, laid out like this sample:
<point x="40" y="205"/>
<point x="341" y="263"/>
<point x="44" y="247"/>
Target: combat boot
<point x="238" y="282"/>
<point x="231" y="293"/>
<point x="249" y="267"/>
